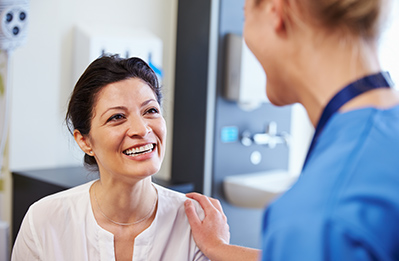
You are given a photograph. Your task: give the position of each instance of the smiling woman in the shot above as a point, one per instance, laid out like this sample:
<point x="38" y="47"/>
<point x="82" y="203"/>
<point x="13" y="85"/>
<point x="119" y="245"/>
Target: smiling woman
<point x="127" y="132"/>
<point x="115" y="117"/>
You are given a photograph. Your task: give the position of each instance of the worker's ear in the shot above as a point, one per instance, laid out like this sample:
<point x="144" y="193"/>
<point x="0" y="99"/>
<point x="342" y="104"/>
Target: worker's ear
<point x="277" y="9"/>
<point x="274" y="12"/>
<point x="83" y="142"/>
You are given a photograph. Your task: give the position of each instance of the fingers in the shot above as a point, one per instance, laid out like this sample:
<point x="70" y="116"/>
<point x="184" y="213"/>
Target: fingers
<point x="196" y="196"/>
<point x="207" y="203"/>
<point x="192" y="216"/>
<point x="203" y="200"/>
<point x="216" y="204"/>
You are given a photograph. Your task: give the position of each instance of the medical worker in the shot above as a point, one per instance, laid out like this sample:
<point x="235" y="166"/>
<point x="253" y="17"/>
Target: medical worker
<point x="345" y="205"/>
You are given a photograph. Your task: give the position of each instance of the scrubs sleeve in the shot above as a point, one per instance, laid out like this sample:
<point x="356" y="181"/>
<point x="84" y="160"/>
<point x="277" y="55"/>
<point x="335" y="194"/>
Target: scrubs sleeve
<point x="315" y="241"/>
<point x="291" y="242"/>
<point x="26" y="246"/>
<point x="346" y="243"/>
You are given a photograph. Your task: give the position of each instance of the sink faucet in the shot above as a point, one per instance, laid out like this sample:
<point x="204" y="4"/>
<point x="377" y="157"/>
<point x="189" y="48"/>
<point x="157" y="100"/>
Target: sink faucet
<point x="269" y="138"/>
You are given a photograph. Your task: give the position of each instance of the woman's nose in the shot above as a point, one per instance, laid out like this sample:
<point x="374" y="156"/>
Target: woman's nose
<point x="138" y="127"/>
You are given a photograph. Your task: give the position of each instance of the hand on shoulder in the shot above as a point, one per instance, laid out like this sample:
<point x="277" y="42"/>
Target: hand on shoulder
<point x="213" y="230"/>
<point x="212" y="234"/>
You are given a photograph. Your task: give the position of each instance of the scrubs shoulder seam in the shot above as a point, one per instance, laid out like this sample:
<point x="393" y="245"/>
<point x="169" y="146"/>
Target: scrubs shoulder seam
<point x="348" y="167"/>
<point x="351" y="162"/>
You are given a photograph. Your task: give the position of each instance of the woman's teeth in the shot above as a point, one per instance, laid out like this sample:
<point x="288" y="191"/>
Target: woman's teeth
<point x="140" y="150"/>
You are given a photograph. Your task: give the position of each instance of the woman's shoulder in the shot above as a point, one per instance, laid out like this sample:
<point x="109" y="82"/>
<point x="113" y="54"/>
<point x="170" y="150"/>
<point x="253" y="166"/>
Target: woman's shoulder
<point x="166" y="192"/>
<point x="170" y="197"/>
<point x="58" y="203"/>
<point x="175" y="200"/>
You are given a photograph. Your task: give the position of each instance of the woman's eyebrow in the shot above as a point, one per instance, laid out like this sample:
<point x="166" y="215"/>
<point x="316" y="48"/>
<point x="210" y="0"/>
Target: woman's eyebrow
<point x="124" y="108"/>
<point x="114" y="108"/>
<point x="147" y="102"/>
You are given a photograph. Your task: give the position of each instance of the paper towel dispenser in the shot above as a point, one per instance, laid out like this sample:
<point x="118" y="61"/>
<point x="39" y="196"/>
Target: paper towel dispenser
<point x="245" y="79"/>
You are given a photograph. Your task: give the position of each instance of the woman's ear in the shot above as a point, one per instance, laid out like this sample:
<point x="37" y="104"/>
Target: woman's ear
<point x="83" y="142"/>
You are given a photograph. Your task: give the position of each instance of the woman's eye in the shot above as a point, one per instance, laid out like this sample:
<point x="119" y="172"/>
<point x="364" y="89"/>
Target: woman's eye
<point x="116" y="117"/>
<point x="152" y="111"/>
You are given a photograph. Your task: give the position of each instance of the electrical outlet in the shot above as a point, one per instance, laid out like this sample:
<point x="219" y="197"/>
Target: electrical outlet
<point x="92" y="41"/>
<point x="14" y="22"/>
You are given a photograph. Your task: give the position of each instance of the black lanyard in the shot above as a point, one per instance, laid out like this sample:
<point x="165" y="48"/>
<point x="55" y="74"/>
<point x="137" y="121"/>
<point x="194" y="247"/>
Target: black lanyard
<point x="368" y="83"/>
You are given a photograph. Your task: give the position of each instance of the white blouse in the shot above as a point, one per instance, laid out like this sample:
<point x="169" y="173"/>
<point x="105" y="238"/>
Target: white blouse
<point x="62" y="227"/>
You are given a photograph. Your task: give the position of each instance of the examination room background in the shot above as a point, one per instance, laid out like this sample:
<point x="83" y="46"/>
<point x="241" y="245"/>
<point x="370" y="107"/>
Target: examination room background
<point x="193" y="33"/>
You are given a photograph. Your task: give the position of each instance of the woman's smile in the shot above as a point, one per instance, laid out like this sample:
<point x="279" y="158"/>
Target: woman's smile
<point x="140" y="150"/>
<point x="128" y="131"/>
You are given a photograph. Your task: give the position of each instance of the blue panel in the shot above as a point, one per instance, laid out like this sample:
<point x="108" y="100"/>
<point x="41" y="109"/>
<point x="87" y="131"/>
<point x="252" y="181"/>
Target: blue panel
<point x="229" y="134"/>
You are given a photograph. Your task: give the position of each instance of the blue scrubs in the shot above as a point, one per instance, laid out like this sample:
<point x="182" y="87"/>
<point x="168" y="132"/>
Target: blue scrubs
<point x="345" y="205"/>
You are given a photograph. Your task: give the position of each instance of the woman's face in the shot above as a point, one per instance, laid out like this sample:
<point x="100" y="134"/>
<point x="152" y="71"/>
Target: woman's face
<point x="128" y="132"/>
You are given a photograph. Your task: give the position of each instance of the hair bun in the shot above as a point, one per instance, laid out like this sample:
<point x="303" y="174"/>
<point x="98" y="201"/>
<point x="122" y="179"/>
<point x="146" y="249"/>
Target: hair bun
<point x="359" y="17"/>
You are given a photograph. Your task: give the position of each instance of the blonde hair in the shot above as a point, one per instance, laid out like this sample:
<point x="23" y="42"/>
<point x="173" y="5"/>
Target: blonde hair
<point x="362" y="18"/>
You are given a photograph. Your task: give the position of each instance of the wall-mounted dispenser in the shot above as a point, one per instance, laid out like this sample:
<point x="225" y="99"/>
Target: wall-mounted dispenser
<point x="245" y="79"/>
<point x="93" y="41"/>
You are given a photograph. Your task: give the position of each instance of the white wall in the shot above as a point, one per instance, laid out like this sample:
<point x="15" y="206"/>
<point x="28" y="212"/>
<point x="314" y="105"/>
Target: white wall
<point x="389" y="46"/>
<point x="41" y="76"/>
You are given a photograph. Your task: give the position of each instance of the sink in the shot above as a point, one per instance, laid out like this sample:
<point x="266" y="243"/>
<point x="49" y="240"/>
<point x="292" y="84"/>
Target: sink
<point x="256" y="190"/>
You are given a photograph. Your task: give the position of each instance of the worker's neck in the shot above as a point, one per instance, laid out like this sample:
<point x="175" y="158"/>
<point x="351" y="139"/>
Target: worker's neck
<point x="329" y="68"/>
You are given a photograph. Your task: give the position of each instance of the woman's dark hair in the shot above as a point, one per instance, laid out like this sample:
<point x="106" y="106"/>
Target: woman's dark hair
<point x="101" y="72"/>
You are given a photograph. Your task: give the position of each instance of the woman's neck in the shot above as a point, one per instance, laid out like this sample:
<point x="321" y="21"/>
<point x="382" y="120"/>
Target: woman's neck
<point x="124" y="202"/>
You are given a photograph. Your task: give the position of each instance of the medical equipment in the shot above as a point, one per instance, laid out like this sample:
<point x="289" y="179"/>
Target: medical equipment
<point x="13" y="31"/>
<point x="14" y="22"/>
<point x="13" y="27"/>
